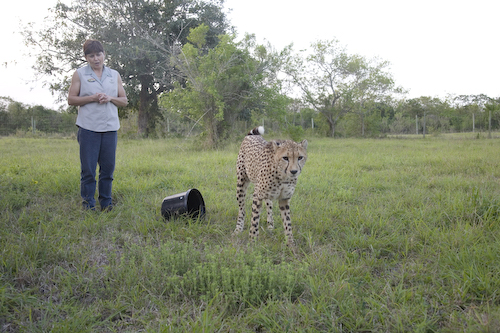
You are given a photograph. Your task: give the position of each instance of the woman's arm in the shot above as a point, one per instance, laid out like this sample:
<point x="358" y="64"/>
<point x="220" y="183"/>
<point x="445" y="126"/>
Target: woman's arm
<point x="74" y="92"/>
<point x="121" y="100"/>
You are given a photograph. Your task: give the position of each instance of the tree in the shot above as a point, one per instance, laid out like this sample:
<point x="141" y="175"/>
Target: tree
<point x="472" y="105"/>
<point x="334" y="82"/>
<point x="374" y="117"/>
<point x="429" y="109"/>
<point x="374" y="88"/>
<point x="222" y="83"/>
<point x="138" y="36"/>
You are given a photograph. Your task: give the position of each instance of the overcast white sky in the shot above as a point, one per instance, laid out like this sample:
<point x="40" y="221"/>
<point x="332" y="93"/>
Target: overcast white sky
<point x="435" y="47"/>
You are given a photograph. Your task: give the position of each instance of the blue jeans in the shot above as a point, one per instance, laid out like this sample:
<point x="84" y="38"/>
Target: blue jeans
<point x="97" y="148"/>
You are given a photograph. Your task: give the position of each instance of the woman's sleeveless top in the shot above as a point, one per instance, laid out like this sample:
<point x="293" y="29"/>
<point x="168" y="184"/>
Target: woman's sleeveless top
<point x="94" y="116"/>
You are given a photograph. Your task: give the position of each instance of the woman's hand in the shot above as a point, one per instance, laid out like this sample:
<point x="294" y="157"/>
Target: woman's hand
<point x="102" y="98"/>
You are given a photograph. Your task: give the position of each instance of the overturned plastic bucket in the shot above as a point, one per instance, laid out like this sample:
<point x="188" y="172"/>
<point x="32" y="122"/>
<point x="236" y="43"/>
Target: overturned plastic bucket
<point x="189" y="203"/>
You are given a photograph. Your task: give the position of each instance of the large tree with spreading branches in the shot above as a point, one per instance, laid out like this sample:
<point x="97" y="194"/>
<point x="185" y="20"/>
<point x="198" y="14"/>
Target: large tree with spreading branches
<point x="334" y="82"/>
<point x="138" y="36"/>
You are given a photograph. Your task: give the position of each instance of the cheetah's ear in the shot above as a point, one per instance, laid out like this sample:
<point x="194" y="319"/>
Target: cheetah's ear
<point x="273" y="145"/>
<point x="304" y="144"/>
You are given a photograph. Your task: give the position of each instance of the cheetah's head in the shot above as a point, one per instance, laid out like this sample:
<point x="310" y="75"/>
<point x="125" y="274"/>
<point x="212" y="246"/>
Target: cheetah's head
<point x="290" y="157"/>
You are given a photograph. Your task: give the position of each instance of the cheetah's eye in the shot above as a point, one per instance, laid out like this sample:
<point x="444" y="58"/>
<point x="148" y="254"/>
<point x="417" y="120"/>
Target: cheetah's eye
<point x="285" y="158"/>
<point x="301" y="157"/>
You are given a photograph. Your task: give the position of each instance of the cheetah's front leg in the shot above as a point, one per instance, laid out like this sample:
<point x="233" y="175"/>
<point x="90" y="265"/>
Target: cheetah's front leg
<point x="287" y="223"/>
<point x="256" y="210"/>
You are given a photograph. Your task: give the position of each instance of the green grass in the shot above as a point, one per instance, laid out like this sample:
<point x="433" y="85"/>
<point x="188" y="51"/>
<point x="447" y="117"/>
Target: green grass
<point x="392" y="235"/>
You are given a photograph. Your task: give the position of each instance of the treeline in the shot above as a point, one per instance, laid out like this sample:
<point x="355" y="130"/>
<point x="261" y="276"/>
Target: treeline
<point x="424" y="115"/>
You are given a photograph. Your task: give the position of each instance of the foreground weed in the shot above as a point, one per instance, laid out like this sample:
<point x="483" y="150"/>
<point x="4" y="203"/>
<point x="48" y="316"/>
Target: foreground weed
<point x="181" y="270"/>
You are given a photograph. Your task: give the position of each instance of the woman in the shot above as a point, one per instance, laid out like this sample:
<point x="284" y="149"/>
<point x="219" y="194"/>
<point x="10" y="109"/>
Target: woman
<point x="98" y="91"/>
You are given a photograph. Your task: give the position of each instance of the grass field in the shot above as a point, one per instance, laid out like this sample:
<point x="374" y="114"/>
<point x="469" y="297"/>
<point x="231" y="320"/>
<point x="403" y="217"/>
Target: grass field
<point x="393" y="235"/>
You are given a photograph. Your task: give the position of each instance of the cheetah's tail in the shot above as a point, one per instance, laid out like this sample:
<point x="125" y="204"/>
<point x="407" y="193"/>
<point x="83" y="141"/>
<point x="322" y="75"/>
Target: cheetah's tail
<point x="257" y="131"/>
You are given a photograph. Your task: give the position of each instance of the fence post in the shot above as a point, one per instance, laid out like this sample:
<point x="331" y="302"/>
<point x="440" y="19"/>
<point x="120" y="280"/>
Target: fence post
<point x="424" y="126"/>
<point x="33" y="124"/>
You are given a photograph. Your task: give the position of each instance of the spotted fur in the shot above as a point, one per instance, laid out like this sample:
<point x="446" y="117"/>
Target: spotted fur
<point x="274" y="168"/>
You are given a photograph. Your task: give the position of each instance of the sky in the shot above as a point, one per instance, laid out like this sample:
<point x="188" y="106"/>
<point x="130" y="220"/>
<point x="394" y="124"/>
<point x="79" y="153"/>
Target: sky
<point x="435" y="47"/>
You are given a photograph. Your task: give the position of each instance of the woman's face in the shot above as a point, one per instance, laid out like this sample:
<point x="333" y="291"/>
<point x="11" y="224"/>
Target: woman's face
<point x="95" y="60"/>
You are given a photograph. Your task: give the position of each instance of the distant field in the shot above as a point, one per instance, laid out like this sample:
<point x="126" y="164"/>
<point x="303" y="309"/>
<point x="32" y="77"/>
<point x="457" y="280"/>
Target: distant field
<point x="393" y="235"/>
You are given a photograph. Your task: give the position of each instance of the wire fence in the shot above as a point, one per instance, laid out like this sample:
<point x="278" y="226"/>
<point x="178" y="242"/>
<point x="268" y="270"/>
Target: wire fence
<point x="61" y="123"/>
<point x="173" y="125"/>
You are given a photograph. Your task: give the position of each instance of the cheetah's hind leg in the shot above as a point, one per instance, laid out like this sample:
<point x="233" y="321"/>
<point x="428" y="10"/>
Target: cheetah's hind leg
<point x="241" y="192"/>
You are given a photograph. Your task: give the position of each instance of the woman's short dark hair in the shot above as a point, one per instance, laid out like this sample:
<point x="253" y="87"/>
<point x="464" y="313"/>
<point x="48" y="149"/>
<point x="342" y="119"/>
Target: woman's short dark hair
<point x="92" y="46"/>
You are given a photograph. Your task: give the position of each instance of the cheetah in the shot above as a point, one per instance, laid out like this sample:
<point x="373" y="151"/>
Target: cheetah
<point x="274" y="168"/>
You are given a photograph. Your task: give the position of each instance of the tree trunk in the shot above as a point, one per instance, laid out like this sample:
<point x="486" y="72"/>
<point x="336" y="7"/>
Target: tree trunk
<point x="144" y="117"/>
<point x="362" y="126"/>
<point x="489" y="124"/>
<point x="331" y="124"/>
<point x="211" y="121"/>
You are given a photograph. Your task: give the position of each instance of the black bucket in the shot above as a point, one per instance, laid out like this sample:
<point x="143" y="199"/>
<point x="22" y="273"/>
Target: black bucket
<point x="188" y="203"/>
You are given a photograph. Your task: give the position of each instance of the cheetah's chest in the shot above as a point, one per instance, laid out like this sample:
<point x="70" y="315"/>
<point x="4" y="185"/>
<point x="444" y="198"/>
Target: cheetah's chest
<point x="276" y="189"/>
